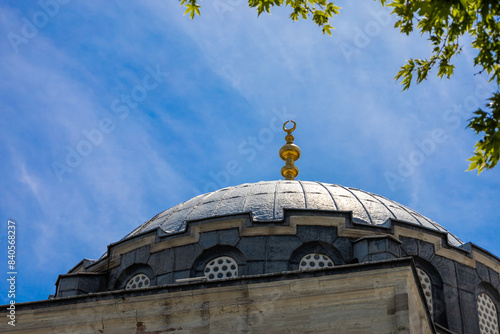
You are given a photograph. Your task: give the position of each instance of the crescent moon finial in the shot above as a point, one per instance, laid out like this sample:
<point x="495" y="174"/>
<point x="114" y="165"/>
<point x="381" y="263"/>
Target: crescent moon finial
<point x="289" y="130"/>
<point x="289" y="153"/>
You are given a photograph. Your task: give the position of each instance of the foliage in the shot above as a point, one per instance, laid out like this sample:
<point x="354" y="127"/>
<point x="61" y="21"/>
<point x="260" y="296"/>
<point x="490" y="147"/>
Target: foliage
<point x="320" y="11"/>
<point x="487" y="151"/>
<point x="445" y="22"/>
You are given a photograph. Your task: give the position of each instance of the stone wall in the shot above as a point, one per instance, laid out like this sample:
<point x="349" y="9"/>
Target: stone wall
<point x="371" y="298"/>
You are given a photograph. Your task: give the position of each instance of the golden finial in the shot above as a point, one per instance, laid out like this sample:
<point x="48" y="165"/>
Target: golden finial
<point x="289" y="152"/>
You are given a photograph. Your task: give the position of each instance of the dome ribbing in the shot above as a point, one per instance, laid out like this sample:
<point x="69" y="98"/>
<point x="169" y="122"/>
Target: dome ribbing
<point x="267" y="199"/>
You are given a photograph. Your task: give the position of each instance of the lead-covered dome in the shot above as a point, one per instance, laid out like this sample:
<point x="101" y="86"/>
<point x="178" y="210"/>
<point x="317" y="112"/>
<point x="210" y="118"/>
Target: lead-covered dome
<point x="266" y="201"/>
<point x="295" y="231"/>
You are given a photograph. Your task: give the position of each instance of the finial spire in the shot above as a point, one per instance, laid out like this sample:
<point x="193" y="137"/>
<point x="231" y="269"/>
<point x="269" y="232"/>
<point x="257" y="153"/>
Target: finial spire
<point x="289" y="152"/>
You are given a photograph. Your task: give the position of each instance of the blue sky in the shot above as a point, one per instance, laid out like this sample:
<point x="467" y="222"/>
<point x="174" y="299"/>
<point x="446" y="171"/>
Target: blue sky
<point x="111" y="112"/>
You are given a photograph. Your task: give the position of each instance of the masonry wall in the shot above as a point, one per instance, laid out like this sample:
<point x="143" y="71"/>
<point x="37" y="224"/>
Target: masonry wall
<point x="358" y="299"/>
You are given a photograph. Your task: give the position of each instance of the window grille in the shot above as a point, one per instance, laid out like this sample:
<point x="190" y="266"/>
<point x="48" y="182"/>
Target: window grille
<point x="487" y="312"/>
<point x="220" y="268"/>
<point x="426" y="284"/>
<point x="139" y="281"/>
<point x="315" y="261"/>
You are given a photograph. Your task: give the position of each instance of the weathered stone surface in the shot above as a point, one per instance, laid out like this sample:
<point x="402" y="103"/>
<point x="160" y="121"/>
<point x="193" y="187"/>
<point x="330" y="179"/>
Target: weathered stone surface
<point x="208" y="239"/>
<point x="113" y="277"/>
<point x="68" y="293"/>
<point x="469" y="312"/>
<point x="410" y="245"/>
<point x="361" y="250"/>
<point x="181" y="274"/>
<point x="281" y="247"/>
<point x="127" y="260"/>
<point x="228" y="237"/>
<point x="380" y="257"/>
<point x="394" y="247"/>
<point x="344" y="246"/>
<point x="254" y="248"/>
<point x="142" y="254"/>
<point x="377" y="245"/>
<point x="467" y="278"/>
<point x="426" y="250"/>
<point x="446" y="269"/>
<point x="68" y="283"/>
<point x="276" y="266"/>
<point x="327" y="234"/>
<point x="78" y="284"/>
<point x="495" y="279"/>
<point x="454" y="316"/>
<point x="255" y="267"/>
<point x="91" y="283"/>
<point x="164" y="279"/>
<point x="162" y="262"/>
<point x="185" y="256"/>
<point x="482" y="272"/>
<point x="307" y="233"/>
<point x="380" y="301"/>
<point x="376" y="248"/>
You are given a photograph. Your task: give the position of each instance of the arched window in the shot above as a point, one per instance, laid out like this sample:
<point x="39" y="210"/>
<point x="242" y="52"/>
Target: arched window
<point x="426" y="284"/>
<point x="432" y="288"/>
<point x="487" y="314"/>
<point x="313" y="261"/>
<point x="220" y="268"/>
<point x="139" y="281"/>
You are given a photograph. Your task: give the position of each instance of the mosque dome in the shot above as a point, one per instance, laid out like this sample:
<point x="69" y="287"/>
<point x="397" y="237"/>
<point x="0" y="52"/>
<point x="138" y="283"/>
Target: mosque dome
<point x="267" y="200"/>
<point x="300" y="248"/>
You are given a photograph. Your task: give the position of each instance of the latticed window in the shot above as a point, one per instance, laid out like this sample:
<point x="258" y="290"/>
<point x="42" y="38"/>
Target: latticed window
<point x="487" y="314"/>
<point x="138" y="281"/>
<point x="315" y="261"/>
<point x="220" y="268"/>
<point x="426" y="284"/>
